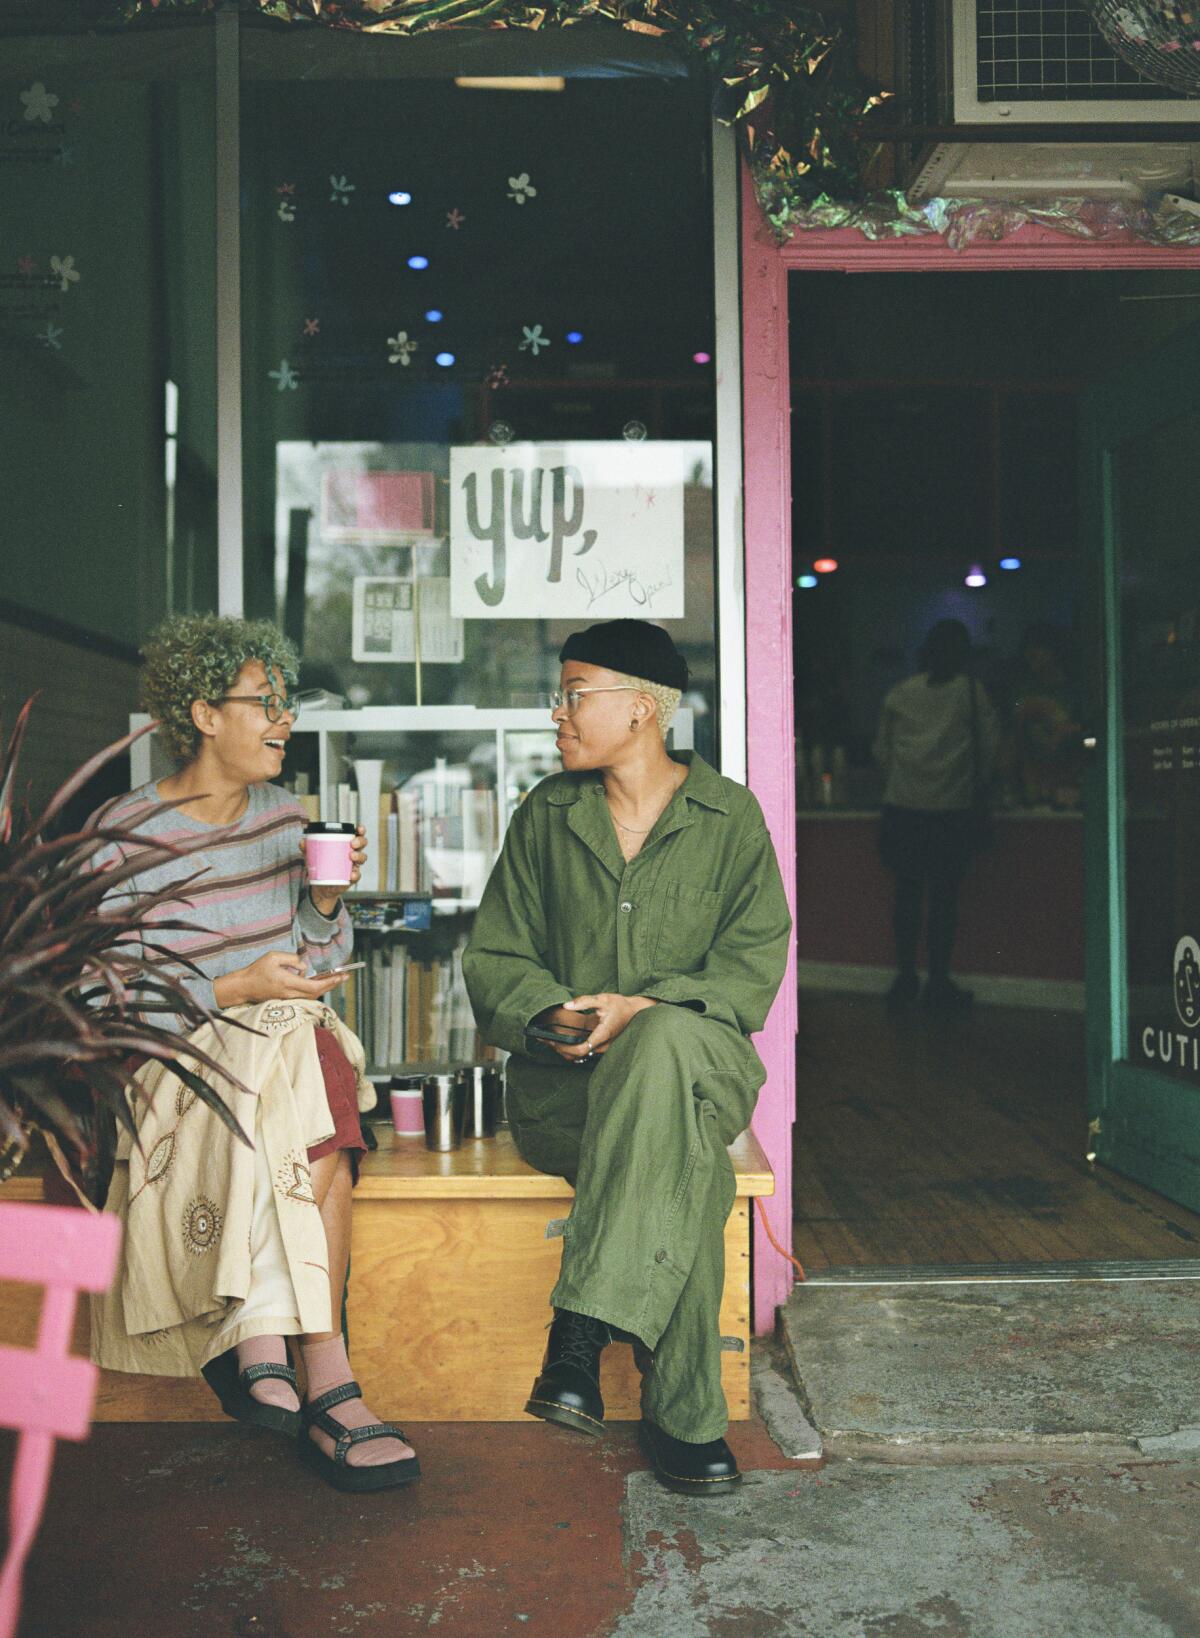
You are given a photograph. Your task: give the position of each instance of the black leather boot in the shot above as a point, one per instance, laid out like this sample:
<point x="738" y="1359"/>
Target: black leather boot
<point x="568" y="1389"/>
<point x="692" y="1470"/>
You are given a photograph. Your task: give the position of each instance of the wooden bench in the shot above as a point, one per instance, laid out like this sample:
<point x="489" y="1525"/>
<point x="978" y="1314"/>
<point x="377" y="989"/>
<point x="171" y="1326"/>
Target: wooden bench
<point x="452" y="1270"/>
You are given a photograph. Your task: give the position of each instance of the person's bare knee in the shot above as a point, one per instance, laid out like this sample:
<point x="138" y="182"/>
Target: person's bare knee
<point x="325" y="1173"/>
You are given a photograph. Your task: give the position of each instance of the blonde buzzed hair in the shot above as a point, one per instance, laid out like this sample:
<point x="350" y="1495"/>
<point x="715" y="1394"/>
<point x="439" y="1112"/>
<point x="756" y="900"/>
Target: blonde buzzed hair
<point x="666" y="700"/>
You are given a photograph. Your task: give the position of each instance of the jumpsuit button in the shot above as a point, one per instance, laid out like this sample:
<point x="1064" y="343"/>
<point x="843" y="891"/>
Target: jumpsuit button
<point x="627" y="907"/>
<point x="660" y="1256"/>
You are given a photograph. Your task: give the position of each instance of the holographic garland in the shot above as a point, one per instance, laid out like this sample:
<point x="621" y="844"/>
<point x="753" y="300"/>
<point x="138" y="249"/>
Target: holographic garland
<point x="783" y="74"/>
<point x="965" y="222"/>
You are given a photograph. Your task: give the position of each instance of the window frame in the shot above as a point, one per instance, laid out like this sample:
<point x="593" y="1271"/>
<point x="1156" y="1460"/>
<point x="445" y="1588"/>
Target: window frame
<point x="729" y="568"/>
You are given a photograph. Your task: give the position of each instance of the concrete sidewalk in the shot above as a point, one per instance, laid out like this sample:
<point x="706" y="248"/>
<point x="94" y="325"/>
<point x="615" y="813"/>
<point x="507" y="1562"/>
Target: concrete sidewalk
<point x="1002" y="1461"/>
<point x="999" y="1462"/>
<point x="864" y="1550"/>
<point x="1050" y="1368"/>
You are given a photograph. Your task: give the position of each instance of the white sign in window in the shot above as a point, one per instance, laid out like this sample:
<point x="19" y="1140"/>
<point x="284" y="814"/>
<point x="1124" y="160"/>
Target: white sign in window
<point x="386" y="610"/>
<point x="570" y="531"/>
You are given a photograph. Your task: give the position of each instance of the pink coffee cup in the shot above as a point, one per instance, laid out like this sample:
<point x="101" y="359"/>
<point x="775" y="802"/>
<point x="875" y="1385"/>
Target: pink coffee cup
<point x="327" y="847"/>
<point x="408" y="1118"/>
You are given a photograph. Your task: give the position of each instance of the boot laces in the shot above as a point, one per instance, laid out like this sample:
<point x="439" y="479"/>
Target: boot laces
<point x="580" y="1341"/>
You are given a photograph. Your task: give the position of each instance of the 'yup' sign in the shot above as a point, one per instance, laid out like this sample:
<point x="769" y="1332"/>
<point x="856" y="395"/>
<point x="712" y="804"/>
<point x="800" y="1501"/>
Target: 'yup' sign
<point x="570" y="531"/>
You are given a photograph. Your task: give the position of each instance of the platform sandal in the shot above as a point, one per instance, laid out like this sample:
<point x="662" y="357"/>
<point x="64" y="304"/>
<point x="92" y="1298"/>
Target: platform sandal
<point x="335" y="1469"/>
<point x="232" y="1388"/>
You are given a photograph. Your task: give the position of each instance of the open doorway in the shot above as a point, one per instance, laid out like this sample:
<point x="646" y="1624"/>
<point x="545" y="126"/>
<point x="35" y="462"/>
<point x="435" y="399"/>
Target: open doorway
<point x="935" y="424"/>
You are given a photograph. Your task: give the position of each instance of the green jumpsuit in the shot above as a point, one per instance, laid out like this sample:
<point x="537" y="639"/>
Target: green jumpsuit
<point x="699" y="921"/>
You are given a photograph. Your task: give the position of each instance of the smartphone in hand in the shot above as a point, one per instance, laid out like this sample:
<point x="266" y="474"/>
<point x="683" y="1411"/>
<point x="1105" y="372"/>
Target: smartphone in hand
<point x="335" y="972"/>
<point x="557" y="1037"/>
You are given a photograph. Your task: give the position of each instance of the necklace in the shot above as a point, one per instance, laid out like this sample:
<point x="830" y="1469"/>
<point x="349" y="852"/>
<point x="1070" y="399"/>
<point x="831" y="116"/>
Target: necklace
<point x="629" y="829"/>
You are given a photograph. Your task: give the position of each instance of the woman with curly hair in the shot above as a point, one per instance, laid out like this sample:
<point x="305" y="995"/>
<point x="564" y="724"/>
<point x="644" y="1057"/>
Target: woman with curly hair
<point x="224" y="1258"/>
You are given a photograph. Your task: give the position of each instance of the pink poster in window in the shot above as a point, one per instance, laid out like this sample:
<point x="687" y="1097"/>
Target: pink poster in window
<point x="377" y="508"/>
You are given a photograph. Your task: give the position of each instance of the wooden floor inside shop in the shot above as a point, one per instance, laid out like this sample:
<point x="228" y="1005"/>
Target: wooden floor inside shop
<point x="920" y="1142"/>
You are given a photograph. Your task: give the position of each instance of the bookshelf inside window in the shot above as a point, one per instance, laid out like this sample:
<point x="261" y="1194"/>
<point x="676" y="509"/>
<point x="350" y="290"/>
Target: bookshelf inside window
<point x="435" y="787"/>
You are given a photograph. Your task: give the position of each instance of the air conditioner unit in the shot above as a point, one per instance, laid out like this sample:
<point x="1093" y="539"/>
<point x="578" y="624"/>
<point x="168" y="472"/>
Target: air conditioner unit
<point x="1021" y="62"/>
<point x="1029" y="171"/>
<point x="1032" y="62"/>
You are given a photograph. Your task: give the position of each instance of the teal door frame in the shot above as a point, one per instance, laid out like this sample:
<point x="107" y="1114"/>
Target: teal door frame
<point x="1143" y="1124"/>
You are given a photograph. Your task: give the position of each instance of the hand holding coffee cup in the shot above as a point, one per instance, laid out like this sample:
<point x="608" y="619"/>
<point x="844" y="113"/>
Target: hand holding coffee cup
<point x="334" y="854"/>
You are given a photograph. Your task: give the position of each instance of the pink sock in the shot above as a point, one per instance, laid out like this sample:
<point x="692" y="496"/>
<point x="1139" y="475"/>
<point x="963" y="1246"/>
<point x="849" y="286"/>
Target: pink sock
<point x="326" y="1366"/>
<point x="272" y="1390"/>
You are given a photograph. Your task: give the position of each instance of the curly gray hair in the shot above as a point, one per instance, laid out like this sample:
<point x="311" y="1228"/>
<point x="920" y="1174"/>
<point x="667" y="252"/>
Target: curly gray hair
<point x="197" y="657"/>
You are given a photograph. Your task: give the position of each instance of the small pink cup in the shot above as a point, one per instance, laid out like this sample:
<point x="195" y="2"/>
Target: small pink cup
<point x="327" y="847"/>
<point x="407" y="1115"/>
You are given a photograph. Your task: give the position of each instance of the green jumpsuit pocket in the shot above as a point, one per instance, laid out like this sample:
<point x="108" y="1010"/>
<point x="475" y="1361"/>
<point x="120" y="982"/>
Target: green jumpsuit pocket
<point x="690" y="919"/>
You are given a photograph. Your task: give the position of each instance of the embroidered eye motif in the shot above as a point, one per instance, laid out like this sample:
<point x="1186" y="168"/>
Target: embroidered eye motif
<point x="201" y="1226"/>
<point x="277" y="1017"/>
<point x="161" y="1156"/>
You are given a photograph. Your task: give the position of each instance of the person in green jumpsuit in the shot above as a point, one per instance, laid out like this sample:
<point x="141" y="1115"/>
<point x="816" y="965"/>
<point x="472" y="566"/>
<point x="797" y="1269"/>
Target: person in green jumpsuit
<point x="638" y="901"/>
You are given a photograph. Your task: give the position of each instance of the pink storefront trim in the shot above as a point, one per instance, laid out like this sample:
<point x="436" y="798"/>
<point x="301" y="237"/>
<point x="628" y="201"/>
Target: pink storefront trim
<point x="766" y="414"/>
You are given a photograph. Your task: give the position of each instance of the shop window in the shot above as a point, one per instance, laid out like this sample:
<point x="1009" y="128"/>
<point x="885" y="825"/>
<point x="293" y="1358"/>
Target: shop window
<point x="477" y="377"/>
<point x="107" y="391"/>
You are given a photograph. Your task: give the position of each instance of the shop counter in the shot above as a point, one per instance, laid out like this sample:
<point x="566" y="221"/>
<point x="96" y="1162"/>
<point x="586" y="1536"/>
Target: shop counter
<point x="1021" y="913"/>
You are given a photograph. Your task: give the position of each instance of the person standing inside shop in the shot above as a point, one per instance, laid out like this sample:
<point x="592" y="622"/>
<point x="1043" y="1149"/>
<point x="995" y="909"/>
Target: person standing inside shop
<point x="937" y="742"/>
<point x="637" y="902"/>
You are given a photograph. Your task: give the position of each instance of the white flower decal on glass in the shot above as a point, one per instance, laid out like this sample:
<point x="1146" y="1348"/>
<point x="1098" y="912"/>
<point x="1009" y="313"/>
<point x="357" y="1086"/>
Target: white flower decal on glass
<point x="340" y="190"/>
<point x="285" y="378"/>
<point x="401" y="348"/>
<point x="535" y="339"/>
<point x="39" y="103"/>
<point x="285" y="211"/>
<point x="64" y="269"/>
<point x="51" y="336"/>
<point x="520" y="188"/>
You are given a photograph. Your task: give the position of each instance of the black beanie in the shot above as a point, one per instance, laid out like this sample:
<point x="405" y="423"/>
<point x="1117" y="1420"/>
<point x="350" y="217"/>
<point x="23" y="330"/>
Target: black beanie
<point x="634" y="647"/>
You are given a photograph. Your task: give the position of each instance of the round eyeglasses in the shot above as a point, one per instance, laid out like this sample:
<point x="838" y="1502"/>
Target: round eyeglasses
<point x="572" y="696"/>
<point x="276" y="706"/>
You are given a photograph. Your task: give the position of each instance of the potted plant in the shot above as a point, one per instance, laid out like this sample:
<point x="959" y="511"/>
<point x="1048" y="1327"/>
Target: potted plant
<point x="82" y="976"/>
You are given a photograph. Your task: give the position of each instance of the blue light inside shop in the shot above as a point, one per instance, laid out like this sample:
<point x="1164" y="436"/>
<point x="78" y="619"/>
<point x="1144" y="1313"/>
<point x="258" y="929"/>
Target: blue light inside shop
<point x="434" y="316"/>
<point x="1010" y="563"/>
<point x="399" y="198"/>
<point x="574" y="337"/>
<point x="806" y="582"/>
<point x="418" y="263"/>
<point x="445" y="360"/>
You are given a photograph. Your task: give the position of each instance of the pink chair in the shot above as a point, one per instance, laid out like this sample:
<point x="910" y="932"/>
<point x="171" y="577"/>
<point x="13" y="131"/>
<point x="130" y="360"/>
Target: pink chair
<point x="45" y="1393"/>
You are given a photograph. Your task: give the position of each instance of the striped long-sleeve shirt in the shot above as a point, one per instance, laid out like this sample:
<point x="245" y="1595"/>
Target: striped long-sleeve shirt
<point x="251" y="897"/>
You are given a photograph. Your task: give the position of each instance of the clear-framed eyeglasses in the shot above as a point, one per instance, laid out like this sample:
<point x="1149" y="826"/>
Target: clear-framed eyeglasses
<point x="276" y="706"/>
<point x="572" y="696"/>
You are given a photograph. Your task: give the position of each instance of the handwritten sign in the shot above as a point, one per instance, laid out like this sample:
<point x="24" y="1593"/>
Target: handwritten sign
<point x="569" y="531"/>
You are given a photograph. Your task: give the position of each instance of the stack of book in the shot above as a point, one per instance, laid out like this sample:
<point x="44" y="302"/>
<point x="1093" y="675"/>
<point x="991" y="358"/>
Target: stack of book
<point x="435" y="836"/>
<point x="408" y="1011"/>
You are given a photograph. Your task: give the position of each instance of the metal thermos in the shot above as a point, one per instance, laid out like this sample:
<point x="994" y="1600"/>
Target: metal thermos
<point x="442" y="1100"/>
<point x="482" y="1097"/>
